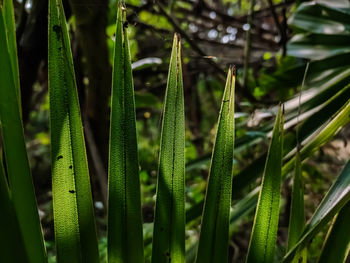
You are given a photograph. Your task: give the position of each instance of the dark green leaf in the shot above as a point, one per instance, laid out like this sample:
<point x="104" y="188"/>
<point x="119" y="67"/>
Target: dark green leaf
<point x="17" y="163"/>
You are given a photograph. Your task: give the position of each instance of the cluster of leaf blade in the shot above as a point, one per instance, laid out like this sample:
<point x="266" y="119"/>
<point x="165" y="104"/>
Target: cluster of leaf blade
<point x="327" y="91"/>
<point x="19" y="196"/>
<point x="75" y="231"/>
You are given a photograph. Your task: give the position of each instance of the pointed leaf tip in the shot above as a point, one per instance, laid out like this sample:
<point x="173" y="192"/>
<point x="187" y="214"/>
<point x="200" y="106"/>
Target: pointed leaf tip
<point x="177" y="38"/>
<point x="232" y="69"/>
<point x="213" y="241"/>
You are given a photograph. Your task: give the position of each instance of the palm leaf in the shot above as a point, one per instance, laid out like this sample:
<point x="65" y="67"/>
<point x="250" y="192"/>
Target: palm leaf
<point x="322" y="135"/>
<point x="125" y="241"/>
<point x="75" y="231"/>
<point x="169" y="223"/>
<point x="213" y="242"/>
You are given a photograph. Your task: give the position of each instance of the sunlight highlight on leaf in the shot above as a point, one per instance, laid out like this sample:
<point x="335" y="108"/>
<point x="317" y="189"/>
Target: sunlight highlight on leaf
<point x="75" y="231"/>
<point x="125" y="241"/>
<point x="213" y="242"/>
<point x="169" y="222"/>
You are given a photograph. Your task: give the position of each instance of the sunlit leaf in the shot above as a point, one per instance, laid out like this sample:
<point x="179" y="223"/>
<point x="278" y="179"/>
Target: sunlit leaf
<point x="213" y="242"/>
<point x="75" y="231"/>
<point x="169" y="222"/>
<point x="125" y="242"/>
<point x="264" y="234"/>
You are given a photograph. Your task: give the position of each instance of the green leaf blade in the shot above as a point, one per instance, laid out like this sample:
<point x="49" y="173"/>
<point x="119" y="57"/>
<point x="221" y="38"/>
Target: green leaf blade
<point x="125" y="237"/>
<point x="12" y="248"/>
<point x="264" y="234"/>
<point x="17" y="164"/>
<point x="75" y="230"/>
<point x="297" y="213"/>
<point x="169" y="225"/>
<point x="9" y="19"/>
<point x="337" y="196"/>
<point x="213" y="242"/>
<point x="323" y="134"/>
<point x="337" y="245"/>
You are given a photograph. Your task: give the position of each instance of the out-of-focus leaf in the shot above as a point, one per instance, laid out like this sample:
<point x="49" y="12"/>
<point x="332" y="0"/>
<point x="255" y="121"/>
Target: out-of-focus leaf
<point x="321" y="136"/>
<point x="320" y="18"/>
<point x="327" y="45"/>
<point x="322" y="31"/>
<point x="145" y="63"/>
<point x="147" y="100"/>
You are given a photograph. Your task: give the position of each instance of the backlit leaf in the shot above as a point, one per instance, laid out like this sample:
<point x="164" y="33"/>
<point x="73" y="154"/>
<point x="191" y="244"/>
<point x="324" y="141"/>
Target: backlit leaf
<point x="169" y="222"/>
<point x="264" y="234"/>
<point x="125" y="241"/>
<point x="75" y="231"/>
<point x="213" y="242"/>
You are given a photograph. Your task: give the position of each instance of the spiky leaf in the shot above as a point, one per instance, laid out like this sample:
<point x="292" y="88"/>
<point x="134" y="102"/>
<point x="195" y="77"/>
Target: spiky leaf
<point x="17" y="163"/>
<point x="297" y="214"/>
<point x="125" y="241"/>
<point x="213" y="242"/>
<point x="75" y="231"/>
<point x="169" y="224"/>
<point x="264" y="234"/>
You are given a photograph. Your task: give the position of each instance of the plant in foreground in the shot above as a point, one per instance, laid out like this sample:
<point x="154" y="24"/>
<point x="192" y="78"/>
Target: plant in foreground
<point x="75" y="231"/>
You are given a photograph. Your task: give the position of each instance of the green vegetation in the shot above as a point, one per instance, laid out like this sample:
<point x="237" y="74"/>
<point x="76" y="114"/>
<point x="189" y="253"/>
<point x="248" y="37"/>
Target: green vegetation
<point x="199" y="206"/>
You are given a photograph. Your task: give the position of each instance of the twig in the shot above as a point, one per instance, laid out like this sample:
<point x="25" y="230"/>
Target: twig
<point x="189" y="40"/>
<point x="285" y="32"/>
<point x="248" y="45"/>
<point x="281" y="29"/>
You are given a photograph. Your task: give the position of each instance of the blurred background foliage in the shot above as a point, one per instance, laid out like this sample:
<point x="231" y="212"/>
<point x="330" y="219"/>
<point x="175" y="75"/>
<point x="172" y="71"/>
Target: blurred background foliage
<point x="269" y="41"/>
